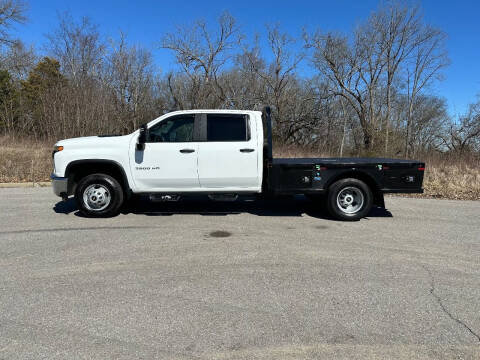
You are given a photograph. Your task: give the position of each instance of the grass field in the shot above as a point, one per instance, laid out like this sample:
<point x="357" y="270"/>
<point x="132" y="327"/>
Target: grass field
<point x="446" y="177"/>
<point x="24" y="161"/>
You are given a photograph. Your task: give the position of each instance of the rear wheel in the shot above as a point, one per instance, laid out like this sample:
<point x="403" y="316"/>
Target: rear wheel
<point x="349" y="199"/>
<point x="99" y="195"/>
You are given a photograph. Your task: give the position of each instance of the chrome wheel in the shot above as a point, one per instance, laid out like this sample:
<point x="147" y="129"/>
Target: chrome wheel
<point x="350" y="200"/>
<point x="96" y="197"/>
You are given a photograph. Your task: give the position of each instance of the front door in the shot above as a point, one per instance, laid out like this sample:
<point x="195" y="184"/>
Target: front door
<point x="169" y="161"/>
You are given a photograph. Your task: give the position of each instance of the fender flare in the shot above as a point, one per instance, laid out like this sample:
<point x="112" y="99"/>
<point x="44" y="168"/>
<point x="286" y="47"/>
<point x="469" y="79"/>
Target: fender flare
<point x="378" y="198"/>
<point x="117" y="165"/>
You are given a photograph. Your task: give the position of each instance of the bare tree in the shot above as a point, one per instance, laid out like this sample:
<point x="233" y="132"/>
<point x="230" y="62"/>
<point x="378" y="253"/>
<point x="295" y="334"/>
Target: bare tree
<point x="354" y="75"/>
<point x="245" y="87"/>
<point x="129" y="72"/>
<point x="431" y="116"/>
<point x="11" y="12"/>
<point x="428" y="58"/>
<point x="398" y="26"/>
<point x="465" y="134"/>
<point x="18" y="60"/>
<point x="78" y="48"/>
<point x="201" y="54"/>
<point x="393" y="45"/>
<point x="278" y="76"/>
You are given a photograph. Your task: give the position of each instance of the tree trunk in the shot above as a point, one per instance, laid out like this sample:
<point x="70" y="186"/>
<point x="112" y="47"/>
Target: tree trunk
<point x="344" y="127"/>
<point x="387" y="117"/>
<point x="409" y="121"/>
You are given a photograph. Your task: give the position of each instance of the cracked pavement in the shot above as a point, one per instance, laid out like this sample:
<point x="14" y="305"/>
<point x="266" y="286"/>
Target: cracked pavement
<point x="203" y="280"/>
<point x="445" y="310"/>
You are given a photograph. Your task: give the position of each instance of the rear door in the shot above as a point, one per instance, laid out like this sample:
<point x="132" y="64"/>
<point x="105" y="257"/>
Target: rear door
<point x="169" y="160"/>
<point x="228" y="156"/>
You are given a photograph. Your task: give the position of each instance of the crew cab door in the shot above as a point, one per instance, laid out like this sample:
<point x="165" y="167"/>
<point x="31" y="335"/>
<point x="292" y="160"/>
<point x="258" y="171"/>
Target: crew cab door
<point x="169" y="159"/>
<point x="228" y="157"/>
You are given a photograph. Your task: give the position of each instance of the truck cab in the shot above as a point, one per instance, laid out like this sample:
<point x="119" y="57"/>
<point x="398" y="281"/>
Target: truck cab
<point x="197" y="151"/>
<point x="215" y="152"/>
<point x="186" y="151"/>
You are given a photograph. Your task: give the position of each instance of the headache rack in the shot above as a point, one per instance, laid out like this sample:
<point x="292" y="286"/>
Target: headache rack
<point x="267" y="133"/>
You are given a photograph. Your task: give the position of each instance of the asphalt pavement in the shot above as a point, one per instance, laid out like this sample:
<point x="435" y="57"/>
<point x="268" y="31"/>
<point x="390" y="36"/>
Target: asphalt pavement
<point x="244" y="280"/>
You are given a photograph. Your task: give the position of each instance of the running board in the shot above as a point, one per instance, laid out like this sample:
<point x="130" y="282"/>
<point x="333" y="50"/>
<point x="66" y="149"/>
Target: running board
<point x="223" y="197"/>
<point x="164" y="198"/>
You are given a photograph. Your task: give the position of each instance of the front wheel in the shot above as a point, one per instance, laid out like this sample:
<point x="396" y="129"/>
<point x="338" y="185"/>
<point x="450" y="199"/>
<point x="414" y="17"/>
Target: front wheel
<point x="349" y="199"/>
<point x="99" y="195"/>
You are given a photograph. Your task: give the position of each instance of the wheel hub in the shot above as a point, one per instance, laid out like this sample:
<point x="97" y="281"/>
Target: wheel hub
<point x="350" y="200"/>
<point x="96" y="197"/>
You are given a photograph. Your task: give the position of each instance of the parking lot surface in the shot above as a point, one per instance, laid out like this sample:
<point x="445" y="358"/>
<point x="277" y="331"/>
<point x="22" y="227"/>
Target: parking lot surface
<point x="245" y="280"/>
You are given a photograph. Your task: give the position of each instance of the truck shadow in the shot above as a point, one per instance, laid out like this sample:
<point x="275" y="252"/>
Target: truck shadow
<point x="283" y="207"/>
<point x="65" y="207"/>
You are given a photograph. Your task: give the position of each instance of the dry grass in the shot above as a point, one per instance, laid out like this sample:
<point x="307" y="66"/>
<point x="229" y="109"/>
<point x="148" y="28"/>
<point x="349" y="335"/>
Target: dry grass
<point x="24" y="161"/>
<point x="288" y="151"/>
<point x="452" y="178"/>
<point x="445" y="177"/>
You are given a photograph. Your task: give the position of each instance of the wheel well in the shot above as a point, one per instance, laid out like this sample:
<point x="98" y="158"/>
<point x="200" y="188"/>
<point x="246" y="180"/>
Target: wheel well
<point x="367" y="179"/>
<point x="77" y="170"/>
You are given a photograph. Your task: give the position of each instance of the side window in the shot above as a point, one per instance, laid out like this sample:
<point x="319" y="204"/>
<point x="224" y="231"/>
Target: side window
<point x="227" y="127"/>
<point x="175" y="129"/>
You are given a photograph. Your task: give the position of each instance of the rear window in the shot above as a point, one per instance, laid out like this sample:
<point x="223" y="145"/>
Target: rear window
<point x="227" y="127"/>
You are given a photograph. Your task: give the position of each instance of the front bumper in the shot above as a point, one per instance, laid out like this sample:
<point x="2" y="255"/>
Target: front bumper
<point x="59" y="185"/>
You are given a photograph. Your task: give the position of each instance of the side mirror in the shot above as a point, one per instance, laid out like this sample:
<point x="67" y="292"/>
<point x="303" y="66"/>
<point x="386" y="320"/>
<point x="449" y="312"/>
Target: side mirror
<point x="142" y="138"/>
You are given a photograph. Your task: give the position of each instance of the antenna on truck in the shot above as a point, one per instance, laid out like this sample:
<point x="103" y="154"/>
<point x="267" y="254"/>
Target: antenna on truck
<point x="267" y="126"/>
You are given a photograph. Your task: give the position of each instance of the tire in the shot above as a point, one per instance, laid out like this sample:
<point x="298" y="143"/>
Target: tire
<point x="349" y="199"/>
<point x="99" y="195"/>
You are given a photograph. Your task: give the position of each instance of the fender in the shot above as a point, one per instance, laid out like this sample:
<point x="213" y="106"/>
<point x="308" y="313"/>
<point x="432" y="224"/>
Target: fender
<point x="98" y="162"/>
<point x="370" y="180"/>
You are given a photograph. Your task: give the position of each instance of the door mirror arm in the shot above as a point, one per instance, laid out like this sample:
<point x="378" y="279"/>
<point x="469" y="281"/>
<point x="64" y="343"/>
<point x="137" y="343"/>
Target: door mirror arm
<point x="142" y="137"/>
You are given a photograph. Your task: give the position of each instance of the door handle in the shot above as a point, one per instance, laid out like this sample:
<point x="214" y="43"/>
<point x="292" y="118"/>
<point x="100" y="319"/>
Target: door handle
<point x="186" y="151"/>
<point x="246" y="150"/>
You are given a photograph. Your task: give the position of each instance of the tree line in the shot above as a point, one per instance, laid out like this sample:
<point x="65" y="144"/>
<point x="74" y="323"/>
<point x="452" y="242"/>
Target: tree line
<point x="368" y="92"/>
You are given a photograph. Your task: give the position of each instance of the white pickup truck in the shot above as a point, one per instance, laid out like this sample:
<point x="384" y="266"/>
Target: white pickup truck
<point x="221" y="153"/>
